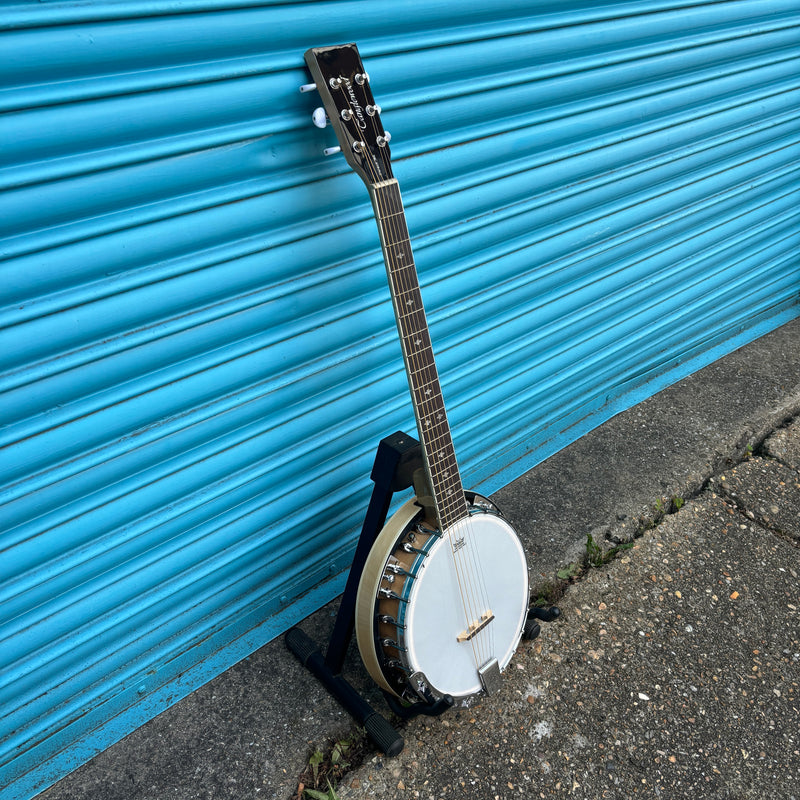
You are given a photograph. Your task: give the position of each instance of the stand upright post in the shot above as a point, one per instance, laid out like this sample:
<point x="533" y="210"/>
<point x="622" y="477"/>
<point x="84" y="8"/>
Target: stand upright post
<point x="397" y="457"/>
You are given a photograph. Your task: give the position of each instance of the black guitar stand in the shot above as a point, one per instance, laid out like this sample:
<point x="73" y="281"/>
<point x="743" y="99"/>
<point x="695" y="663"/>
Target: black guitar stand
<point x="397" y="457"/>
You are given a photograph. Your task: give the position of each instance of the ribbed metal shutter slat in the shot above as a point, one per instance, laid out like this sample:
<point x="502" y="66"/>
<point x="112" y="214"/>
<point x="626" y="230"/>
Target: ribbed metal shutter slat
<point x="197" y="352"/>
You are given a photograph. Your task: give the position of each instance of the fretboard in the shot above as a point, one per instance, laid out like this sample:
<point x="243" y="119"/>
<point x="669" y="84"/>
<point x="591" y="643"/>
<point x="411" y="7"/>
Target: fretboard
<point x="423" y="379"/>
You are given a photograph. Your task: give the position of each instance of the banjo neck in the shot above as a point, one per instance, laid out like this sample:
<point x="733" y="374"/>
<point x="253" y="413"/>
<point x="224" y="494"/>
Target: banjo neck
<point x="423" y="379"/>
<point x="354" y="115"/>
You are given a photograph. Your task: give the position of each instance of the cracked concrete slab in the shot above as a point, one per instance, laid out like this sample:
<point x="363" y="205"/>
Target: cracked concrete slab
<point x="765" y="490"/>
<point x="673" y="672"/>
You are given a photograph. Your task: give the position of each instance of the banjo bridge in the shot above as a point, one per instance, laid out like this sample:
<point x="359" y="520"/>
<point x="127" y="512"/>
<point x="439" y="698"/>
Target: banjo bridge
<point x="476" y="626"/>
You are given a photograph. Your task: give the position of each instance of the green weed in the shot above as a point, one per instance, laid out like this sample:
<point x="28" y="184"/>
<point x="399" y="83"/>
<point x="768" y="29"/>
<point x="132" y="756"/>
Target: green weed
<point x="326" y="768"/>
<point x="315" y="794"/>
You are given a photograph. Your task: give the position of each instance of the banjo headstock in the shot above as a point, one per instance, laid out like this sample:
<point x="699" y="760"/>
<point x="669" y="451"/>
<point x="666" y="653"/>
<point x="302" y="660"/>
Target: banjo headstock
<point x="343" y="85"/>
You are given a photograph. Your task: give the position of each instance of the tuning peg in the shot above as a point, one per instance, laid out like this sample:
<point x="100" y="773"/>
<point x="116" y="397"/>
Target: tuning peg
<point x="320" y="118"/>
<point x="385" y="139"/>
<point x="308" y="87"/>
<point x="330" y="151"/>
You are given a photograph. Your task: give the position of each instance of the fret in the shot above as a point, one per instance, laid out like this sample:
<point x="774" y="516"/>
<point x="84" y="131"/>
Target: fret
<point x="427" y="391"/>
<point x="430" y="406"/>
<point x="441" y="446"/>
<point x="421" y="366"/>
<point x="384" y="216"/>
<point x="403" y="275"/>
<point x="411" y="321"/>
<point x="423" y="378"/>
<point x="408" y="297"/>
<point x="418" y="356"/>
<point x="404" y="271"/>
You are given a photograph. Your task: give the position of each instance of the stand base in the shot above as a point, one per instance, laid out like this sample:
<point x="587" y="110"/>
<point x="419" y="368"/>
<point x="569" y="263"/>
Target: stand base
<point x="532" y="628"/>
<point x="378" y="729"/>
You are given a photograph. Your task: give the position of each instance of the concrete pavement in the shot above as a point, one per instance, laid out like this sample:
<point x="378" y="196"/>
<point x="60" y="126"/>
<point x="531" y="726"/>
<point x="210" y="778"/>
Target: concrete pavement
<point x="673" y="672"/>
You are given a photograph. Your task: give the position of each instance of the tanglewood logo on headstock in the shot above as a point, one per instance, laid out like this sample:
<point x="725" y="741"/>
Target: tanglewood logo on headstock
<point x="356" y="106"/>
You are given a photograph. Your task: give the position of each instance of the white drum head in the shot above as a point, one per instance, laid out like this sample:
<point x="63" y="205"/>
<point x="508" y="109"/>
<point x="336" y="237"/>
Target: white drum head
<point x="454" y="592"/>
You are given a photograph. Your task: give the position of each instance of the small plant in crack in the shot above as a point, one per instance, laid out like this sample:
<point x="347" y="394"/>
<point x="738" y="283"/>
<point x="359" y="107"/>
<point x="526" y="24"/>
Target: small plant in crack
<point x="594" y="553"/>
<point x="663" y="507"/>
<point x="326" y="768"/>
<point x="315" y="794"/>
<point x="548" y="593"/>
<point x="596" y="556"/>
<point x="569" y="572"/>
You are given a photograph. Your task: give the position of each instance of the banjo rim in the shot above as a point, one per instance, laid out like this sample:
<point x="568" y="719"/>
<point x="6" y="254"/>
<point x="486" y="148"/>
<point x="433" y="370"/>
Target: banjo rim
<point x="370" y="582"/>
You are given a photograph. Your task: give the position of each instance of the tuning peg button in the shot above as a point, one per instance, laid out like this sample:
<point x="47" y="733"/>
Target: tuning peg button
<point x="319" y="117"/>
<point x="308" y="87"/>
<point x="330" y="151"/>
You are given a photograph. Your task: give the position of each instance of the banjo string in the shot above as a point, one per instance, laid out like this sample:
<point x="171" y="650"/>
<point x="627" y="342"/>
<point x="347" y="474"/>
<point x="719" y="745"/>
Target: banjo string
<point x="465" y="558"/>
<point x="390" y="215"/>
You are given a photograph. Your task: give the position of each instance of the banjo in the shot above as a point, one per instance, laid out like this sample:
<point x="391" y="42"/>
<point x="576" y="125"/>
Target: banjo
<point x="443" y="598"/>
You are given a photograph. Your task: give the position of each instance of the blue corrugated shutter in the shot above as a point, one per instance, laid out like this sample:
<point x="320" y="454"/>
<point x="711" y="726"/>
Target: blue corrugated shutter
<point x="198" y="355"/>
